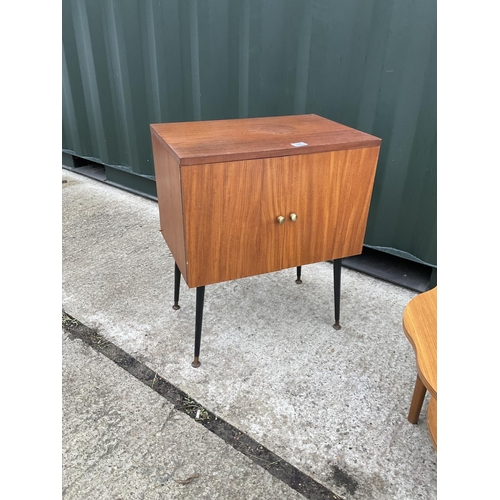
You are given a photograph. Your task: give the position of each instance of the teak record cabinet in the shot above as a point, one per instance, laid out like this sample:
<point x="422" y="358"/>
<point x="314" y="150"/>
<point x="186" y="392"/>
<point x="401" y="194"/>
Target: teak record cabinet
<point x="249" y="196"/>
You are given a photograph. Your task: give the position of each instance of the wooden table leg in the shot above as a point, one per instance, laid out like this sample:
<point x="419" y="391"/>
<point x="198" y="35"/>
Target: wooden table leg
<point x="417" y="401"/>
<point x="432" y="421"/>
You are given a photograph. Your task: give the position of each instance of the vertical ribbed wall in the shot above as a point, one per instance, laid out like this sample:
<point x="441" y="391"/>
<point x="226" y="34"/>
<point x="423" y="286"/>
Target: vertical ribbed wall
<point x="369" y="64"/>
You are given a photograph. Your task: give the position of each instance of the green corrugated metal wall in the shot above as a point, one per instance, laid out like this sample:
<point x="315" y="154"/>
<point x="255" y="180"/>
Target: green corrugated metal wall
<point x="369" y="64"/>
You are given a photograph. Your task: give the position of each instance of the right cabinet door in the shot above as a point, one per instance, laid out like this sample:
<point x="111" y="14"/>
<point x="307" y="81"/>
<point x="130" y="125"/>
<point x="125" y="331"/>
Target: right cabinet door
<point x="330" y="194"/>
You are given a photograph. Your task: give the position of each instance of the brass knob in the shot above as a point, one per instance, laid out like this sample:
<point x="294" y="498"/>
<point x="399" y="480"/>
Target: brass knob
<point x="281" y="219"/>
<point x="293" y="217"/>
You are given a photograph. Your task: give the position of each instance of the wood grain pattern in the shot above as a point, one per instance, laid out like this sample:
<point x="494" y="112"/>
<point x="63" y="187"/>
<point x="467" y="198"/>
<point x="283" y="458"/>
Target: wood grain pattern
<point x="330" y="193"/>
<point x="432" y="421"/>
<point x="222" y="184"/>
<point x="231" y="210"/>
<point x="168" y="187"/>
<point x="215" y="141"/>
<point x="420" y="327"/>
<point x="231" y="228"/>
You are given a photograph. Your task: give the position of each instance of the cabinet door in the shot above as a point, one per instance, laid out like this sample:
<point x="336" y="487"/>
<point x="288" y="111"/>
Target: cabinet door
<point x="330" y="193"/>
<point x="231" y="212"/>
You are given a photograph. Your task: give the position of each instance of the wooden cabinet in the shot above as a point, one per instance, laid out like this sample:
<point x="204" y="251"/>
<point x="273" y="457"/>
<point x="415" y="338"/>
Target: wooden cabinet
<point x="223" y="185"/>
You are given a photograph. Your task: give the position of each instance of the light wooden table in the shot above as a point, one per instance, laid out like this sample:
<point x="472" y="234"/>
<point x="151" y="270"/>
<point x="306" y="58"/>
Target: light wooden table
<point x="249" y="196"/>
<point x="420" y="327"/>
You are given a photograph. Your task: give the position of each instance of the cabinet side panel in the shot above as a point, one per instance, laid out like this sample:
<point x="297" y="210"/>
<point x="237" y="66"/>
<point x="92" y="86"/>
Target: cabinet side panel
<point x="231" y="212"/>
<point x="168" y="187"/>
<point x="331" y="194"/>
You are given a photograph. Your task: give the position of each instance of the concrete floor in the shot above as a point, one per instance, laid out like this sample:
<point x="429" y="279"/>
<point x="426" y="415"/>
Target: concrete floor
<point x="332" y="404"/>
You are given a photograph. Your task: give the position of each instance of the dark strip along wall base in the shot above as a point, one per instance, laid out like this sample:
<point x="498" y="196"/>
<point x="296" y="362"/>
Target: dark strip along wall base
<point x="397" y="270"/>
<point x="121" y="179"/>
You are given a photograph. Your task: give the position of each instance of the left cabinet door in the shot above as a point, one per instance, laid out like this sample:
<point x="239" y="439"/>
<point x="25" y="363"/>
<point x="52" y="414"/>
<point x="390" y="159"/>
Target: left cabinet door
<point x="230" y="217"/>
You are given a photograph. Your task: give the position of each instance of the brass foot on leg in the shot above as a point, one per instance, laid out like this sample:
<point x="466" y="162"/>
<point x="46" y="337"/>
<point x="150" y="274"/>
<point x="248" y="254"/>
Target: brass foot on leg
<point x="196" y="362"/>
<point x="175" y="307"/>
<point x="298" y="281"/>
<point x="336" y="326"/>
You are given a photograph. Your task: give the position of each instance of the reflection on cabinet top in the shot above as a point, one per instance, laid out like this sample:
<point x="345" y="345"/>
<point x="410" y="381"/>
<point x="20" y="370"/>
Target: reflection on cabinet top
<point x="217" y="141"/>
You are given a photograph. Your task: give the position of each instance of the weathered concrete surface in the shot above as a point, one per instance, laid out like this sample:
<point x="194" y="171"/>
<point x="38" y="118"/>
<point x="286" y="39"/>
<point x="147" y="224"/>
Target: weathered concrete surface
<point x="121" y="440"/>
<point x="334" y="404"/>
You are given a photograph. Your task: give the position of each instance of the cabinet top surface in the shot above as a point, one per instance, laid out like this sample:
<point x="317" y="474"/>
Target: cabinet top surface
<point x="248" y="138"/>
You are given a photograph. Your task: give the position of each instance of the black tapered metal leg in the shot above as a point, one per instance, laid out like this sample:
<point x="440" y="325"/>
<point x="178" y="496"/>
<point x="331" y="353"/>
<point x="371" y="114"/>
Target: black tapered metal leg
<point x="177" y="285"/>
<point x="337" y="264"/>
<point x="200" y="299"/>
<point x="299" y="272"/>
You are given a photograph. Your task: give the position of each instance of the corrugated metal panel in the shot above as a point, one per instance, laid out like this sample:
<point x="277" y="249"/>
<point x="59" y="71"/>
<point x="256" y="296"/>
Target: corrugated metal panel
<point x="370" y="64"/>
